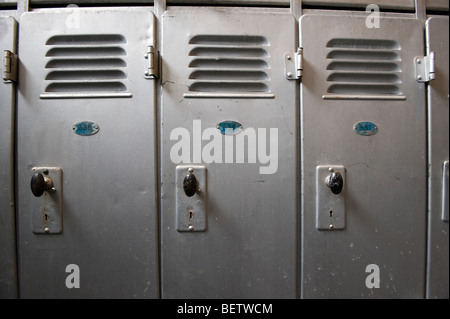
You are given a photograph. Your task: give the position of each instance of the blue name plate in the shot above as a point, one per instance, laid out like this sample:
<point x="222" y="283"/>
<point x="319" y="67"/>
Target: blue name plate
<point x="229" y="127"/>
<point x="85" y="128"/>
<point x="365" y="128"/>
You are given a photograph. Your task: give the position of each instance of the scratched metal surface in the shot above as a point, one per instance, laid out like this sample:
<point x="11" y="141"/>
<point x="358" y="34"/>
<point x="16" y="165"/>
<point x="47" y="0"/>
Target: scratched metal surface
<point x="385" y="201"/>
<point x="109" y="178"/>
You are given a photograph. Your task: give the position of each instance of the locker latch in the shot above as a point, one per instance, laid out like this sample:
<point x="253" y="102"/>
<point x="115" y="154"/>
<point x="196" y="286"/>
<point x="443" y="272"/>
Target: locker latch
<point x="424" y="66"/>
<point x="9" y="66"/>
<point x="46" y="200"/>
<point x="293" y="64"/>
<point x="152" y="57"/>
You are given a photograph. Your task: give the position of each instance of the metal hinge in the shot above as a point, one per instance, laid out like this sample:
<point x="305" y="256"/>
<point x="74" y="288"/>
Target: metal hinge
<point x="152" y="57"/>
<point x="424" y="66"/>
<point x="9" y="66"/>
<point x="293" y="64"/>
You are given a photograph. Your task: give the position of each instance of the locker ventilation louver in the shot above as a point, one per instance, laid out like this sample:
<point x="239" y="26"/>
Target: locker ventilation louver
<point x="364" y="69"/>
<point x="229" y="66"/>
<point x="86" y="66"/>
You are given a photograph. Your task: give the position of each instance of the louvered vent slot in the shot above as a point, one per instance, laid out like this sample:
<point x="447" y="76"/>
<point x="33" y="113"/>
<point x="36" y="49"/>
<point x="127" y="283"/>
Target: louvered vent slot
<point x="86" y="66"/>
<point x="224" y="66"/>
<point x="364" y="69"/>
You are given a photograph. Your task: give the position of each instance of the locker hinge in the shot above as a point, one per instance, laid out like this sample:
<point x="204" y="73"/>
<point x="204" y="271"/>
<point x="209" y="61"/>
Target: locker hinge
<point x="9" y="66"/>
<point x="424" y="66"/>
<point x="152" y="56"/>
<point x="293" y="64"/>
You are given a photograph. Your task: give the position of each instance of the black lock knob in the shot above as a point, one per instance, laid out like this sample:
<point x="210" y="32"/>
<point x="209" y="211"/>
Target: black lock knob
<point x="40" y="184"/>
<point x="190" y="184"/>
<point x="335" y="182"/>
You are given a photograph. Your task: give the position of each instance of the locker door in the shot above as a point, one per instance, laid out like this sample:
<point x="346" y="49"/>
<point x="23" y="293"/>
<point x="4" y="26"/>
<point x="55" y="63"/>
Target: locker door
<point x="86" y="155"/>
<point x="8" y="277"/>
<point x="438" y="140"/>
<point x="229" y="119"/>
<point x="363" y="144"/>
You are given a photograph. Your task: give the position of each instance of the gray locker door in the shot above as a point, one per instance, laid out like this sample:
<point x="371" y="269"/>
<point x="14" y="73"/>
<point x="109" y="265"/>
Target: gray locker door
<point x="362" y="116"/>
<point x="438" y="139"/>
<point x="8" y="277"/>
<point x="224" y="81"/>
<point x="86" y="118"/>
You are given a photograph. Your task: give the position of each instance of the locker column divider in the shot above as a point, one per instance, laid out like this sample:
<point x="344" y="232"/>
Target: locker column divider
<point x="22" y="6"/>
<point x="159" y="6"/>
<point x="296" y="8"/>
<point x="296" y="11"/>
<point x="421" y="10"/>
<point x="421" y="15"/>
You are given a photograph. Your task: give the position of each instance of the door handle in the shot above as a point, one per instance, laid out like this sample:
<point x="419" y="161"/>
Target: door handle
<point x="335" y="181"/>
<point x="190" y="184"/>
<point x="40" y="184"/>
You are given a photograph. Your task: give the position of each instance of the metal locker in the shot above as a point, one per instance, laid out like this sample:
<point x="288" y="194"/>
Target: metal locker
<point x="437" y="33"/>
<point x="229" y="156"/>
<point x="8" y="69"/>
<point x="363" y="146"/>
<point x="86" y="154"/>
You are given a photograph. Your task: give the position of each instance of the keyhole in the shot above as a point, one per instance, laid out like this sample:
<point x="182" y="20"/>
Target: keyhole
<point x="331" y="214"/>
<point x="190" y="214"/>
<point x="45" y="217"/>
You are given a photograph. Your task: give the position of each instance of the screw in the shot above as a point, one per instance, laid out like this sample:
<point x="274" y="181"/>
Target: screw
<point x="331" y="226"/>
<point x="46" y="229"/>
<point x="289" y="74"/>
<point x="419" y="61"/>
<point x="288" y="57"/>
<point x="190" y="169"/>
<point x="191" y="228"/>
<point x="419" y="77"/>
<point x="331" y="169"/>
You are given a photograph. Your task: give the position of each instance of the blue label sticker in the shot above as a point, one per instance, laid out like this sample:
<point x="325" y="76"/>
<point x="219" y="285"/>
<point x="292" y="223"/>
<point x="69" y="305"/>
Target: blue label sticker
<point x="85" y="128"/>
<point x="365" y="128"/>
<point x="229" y="127"/>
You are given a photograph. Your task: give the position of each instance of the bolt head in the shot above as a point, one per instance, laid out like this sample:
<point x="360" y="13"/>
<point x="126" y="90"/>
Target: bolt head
<point x="191" y="228"/>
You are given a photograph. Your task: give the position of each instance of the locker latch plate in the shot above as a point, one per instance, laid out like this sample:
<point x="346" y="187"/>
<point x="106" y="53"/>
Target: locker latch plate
<point x="47" y="209"/>
<point x="191" y="210"/>
<point x="330" y="207"/>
